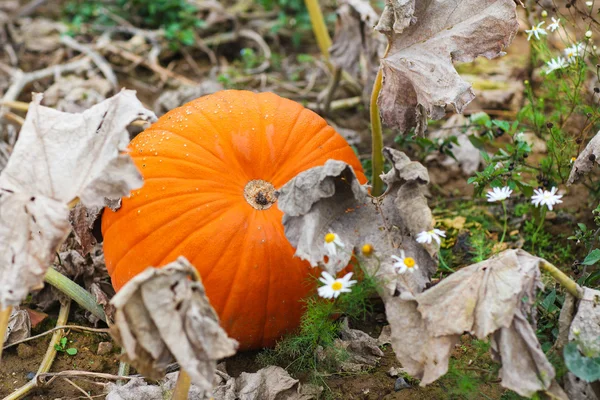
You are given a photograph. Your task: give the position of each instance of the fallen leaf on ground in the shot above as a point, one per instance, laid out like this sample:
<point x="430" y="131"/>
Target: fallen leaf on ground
<point x="467" y="158"/>
<point x="58" y="158"/>
<point x="362" y="351"/>
<point x="163" y="316"/>
<point x="269" y="383"/>
<point x="74" y="94"/>
<point x="418" y="73"/>
<point x="19" y="326"/>
<point x="586" y="159"/>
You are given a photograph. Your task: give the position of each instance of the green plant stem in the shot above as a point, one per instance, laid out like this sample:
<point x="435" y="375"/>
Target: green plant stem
<point x="505" y="221"/>
<point x="182" y="387"/>
<point x="319" y="27"/>
<point x="444" y="266"/>
<point x="4" y="317"/>
<point x="123" y="370"/>
<point x="63" y="316"/>
<point x="376" y="138"/>
<point x="569" y="284"/>
<point x="534" y="237"/>
<point x="75" y="292"/>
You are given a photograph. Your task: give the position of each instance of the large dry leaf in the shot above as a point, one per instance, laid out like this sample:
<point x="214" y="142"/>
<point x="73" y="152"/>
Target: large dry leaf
<point x="59" y="157"/>
<point x="162" y="315"/>
<point x="419" y="79"/>
<point x="66" y="156"/>
<point x="492" y="298"/>
<point x="586" y="159"/>
<point x="354" y="36"/>
<point x="330" y="199"/>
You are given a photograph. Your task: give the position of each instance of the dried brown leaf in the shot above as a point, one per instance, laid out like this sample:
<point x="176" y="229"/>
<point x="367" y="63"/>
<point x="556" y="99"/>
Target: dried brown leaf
<point x="467" y="157"/>
<point x="397" y="16"/>
<point x="19" y="326"/>
<point x="419" y="80"/>
<point x="82" y="221"/>
<point x="58" y="158"/>
<point x="586" y="160"/>
<point x="354" y="36"/>
<point x="161" y="316"/>
<point x="330" y="199"/>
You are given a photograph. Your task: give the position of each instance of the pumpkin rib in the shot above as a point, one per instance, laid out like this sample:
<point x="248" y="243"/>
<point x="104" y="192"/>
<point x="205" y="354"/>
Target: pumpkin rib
<point x="168" y="224"/>
<point x="241" y="169"/>
<point x="162" y="256"/>
<point x="252" y="217"/>
<point x="203" y="149"/>
<point x="172" y="196"/>
<point x="224" y="187"/>
<point x="177" y="161"/>
<point x="127" y="213"/>
<point x="166" y="259"/>
<point x="282" y="157"/>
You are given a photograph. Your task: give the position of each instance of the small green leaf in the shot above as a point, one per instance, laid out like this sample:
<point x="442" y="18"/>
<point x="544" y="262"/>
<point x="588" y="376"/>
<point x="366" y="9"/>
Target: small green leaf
<point x="592" y="258"/>
<point x="475" y="141"/>
<point x="63" y="342"/>
<point x="71" y="351"/>
<point x="585" y="368"/>
<point x="479" y="118"/>
<point x="548" y="302"/>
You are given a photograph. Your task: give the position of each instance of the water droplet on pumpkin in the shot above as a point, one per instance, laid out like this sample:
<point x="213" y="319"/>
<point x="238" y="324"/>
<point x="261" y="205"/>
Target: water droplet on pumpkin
<point x="156" y="153"/>
<point x="187" y="154"/>
<point x="159" y="160"/>
<point x="184" y="145"/>
<point x="258" y="228"/>
<point x="139" y="211"/>
<point x="162" y="188"/>
<point x="196" y="189"/>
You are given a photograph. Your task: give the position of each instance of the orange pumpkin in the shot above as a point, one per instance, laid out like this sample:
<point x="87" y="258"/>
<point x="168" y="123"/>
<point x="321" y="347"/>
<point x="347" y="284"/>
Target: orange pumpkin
<point x="210" y="170"/>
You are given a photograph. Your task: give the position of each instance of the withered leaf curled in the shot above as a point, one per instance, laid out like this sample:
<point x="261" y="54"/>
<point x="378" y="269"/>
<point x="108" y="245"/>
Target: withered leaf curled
<point x="19" y="326"/>
<point x="162" y="316"/>
<point x="397" y="16"/>
<point x="586" y="160"/>
<point x="419" y="80"/>
<point x="354" y="36"/>
<point x="493" y="297"/>
<point x="58" y="158"/>
<point x="330" y="199"/>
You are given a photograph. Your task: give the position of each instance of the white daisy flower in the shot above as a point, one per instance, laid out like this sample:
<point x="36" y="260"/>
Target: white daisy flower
<point x="554" y="25"/>
<point x="404" y="263"/>
<point x="428" y="236"/>
<point x="536" y="31"/>
<point x="571" y="53"/>
<point x="499" y="194"/>
<point x="556" y="64"/>
<point x="333" y="287"/>
<point x="546" y="198"/>
<point x="332" y="242"/>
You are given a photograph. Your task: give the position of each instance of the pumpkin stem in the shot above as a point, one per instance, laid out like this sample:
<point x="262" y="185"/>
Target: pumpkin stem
<point x="260" y="194"/>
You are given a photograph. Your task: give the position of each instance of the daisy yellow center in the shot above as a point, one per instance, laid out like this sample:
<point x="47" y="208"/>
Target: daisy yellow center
<point x="330" y="237"/>
<point x="573" y="159"/>
<point x="367" y="249"/>
<point x="336" y="286"/>
<point x="409" y="262"/>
